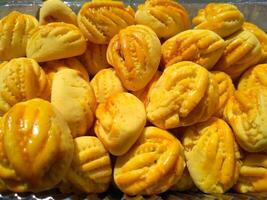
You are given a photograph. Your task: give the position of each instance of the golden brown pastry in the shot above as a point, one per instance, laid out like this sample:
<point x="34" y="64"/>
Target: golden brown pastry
<point x="144" y="93"/>
<point x="210" y="155"/>
<point x="246" y="113"/>
<point x="105" y="84"/>
<point x="253" y="174"/>
<point x="152" y="165"/>
<point x="120" y="121"/>
<point x="203" y="47"/>
<point x="253" y="77"/>
<point x="21" y="79"/>
<point x="135" y="55"/>
<point x="94" y="58"/>
<point x="15" y="28"/>
<point x="242" y="50"/>
<point x="224" y="19"/>
<point x="226" y="90"/>
<point x="56" y="11"/>
<point x="185" y="94"/>
<point x="261" y="36"/>
<point x="90" y="170"/>
<point x="165" y="17"/>
<point x="37" y="143"/>
<point x="185" y="183"/>
<point x="101" y="20"/>
<point x="55" y="41"/>
<point x="75" y="99"/>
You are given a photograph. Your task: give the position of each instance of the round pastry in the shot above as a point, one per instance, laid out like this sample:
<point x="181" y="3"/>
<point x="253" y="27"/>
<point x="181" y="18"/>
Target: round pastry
<point x="242" y="50"/>
<point x="261" y="36"/>
<point x="152" y="165"/>
<point x="120" y="121"/>
<point x="165" y="17"/>
<point x="224" y="19"/>
<point x="185" y="94"/>
<point x="105" y="84"/>
<point x="90" y="169"/>
<point x="246" y="112"/>
<point x="144" y="93"/>
<point x="253" y="77"/>
<point x="101" y="20"/>
<point x="226" y="90"/>
<point x="253" y="174"/>
<point x="56" y="11"/>
<point x="211" y="142"/>
<point x="75" y="99"/>
<point x="94" y="58"/>
<point x="54" y="41"/>
<point x="21" y="79"/>
<point x="135" y="54"/>
<point x="203" y="47"/>
<point x="185" y="183"/>
<point x="15" y="30"/>
<point x="37" y="143"/>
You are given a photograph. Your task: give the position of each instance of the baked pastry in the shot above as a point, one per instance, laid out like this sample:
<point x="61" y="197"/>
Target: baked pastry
<point x="253" y="77"/>
<point x="75" y="99"/>
<point x="253" y="174"/>
<point x="55" y="41"/>
<point x="15" y="28"/>
<point x="211" y="142"/>
<point x="261" y="36"/>
<point x="120" y="121"/>
<point x="152" y="165"/>
<point x="203" y="47"/>
<point x="185" y="94"/>
<point x="246" y="112"/>
<point x="21" y="79"/>
<point x="105" y="84"/>
<point x="90" y="170"/>
<point x="94" y="58"/>
<point x="56" y="11"/>
<point x="226" y="90"/>
<point x="243" y="50"/>
<point x="37" y="143"/>
<point x="165" y="17"/>
<point x="101" y="20"/>
<point x="135" y="55"/>
<point x="185" y="183"/>
<point x="144" y="93"/>
<point x="224" y="19"/>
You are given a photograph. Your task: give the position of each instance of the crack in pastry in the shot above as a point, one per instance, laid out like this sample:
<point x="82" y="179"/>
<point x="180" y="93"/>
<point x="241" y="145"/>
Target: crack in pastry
<point x="120" y="121"/>
<point x="37" y="143"/>
<point x="90" y="170"/>
<point x="152" y="165"/>
<point x="248" y="118"/>
<point x="101" y="20"/>
<point x="203" y="47"/>
<point x="21" y="79"/>
<point x="261" y="36"/>
<point x="70" y="92"/>
<point x="56" y="11"/>
<point x="211" y="142"/>
<point x="105" y="84"/>
<point x="135" y="55"/>
<point x="15" y="30"/>
<point x="94" y="58"/>
<point x="223" y="19"/>
<point x="253" y="77"/>
<point x="226" y="90"/>
<point x="242" y="50"/>
<point x="56" y="40"/>
<point x="184" y="94"/>
<point x="165" y="17"/>
<point x="253" y="174"/>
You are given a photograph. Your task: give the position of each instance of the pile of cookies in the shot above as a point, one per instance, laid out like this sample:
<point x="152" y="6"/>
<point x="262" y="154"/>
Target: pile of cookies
<point x="142" y="100"/>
